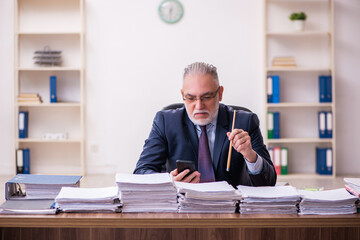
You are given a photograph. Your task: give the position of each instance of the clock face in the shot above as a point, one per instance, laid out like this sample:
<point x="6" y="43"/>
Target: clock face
<point x="171" y="11"/>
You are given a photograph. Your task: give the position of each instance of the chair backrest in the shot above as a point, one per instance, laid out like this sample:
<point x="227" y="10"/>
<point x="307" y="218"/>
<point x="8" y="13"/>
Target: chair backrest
<point x="180" y="105"/>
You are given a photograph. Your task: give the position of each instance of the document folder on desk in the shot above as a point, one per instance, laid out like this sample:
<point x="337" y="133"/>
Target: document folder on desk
<point x="32" y="206"/>
<point x="33" y="186"/>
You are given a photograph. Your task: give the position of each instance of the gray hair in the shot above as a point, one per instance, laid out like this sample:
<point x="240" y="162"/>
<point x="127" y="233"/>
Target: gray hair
<point x="201" y="68"/>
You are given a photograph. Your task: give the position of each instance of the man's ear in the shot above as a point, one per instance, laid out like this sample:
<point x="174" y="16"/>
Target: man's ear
<point x="221" y="90"/>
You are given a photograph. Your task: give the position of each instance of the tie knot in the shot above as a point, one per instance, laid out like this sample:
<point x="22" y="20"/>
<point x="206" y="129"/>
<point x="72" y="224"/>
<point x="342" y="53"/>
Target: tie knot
<point x="203" y="128"/>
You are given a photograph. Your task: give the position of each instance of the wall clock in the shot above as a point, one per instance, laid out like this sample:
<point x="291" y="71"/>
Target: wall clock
<point x="171" y="11"/>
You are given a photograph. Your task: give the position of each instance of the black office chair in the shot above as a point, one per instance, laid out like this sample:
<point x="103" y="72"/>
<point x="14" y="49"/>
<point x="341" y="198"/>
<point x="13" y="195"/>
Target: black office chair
<point x="180" y="105"/>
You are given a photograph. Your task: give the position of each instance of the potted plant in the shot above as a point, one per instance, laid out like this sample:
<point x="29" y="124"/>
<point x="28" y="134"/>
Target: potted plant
<point x="299" y="20"/>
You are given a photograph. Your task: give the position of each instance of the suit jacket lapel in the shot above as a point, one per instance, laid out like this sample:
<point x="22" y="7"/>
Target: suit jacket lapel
<point x="221" y="130"/>
<point x="190" y="132"/>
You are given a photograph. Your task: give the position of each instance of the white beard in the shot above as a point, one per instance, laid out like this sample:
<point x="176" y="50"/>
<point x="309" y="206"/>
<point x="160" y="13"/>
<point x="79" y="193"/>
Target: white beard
<point x="204" y="121"/>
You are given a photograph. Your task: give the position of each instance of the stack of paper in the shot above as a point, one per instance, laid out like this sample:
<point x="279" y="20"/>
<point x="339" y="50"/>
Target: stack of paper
<point x="29" y="98"/>
<point x="34" y="186"/>
<point x="337" y="201"/>
<point x="29" y="206"/>
<point x="147" y="193"/>
<point x="48" y="57"/>
<point x="105" y="199"/>
<point x="213" y="197"/>
<point x="271" y="200"/>
<point x="353" y="186"/>
<point x="284" y="62"/>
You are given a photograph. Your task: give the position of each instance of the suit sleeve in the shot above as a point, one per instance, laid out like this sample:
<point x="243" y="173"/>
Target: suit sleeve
<point x="267" y="176"/>
<point x="155" y="150"/>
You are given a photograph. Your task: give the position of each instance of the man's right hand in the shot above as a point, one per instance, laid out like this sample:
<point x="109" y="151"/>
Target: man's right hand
<point x="180" y="177"/>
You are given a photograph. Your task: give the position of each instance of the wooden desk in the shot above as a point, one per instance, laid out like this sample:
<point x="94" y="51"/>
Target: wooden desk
<point x="178" y="226"/>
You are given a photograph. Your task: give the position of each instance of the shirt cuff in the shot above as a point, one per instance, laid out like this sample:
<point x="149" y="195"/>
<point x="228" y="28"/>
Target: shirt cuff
<point x="256" y="167"/>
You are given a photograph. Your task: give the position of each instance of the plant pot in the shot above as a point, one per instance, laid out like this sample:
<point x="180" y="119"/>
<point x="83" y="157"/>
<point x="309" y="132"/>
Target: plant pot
<point x="299" y="25"/>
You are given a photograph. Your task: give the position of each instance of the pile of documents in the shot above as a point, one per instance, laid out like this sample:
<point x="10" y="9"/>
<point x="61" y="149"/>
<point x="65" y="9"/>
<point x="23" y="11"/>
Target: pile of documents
<point x="34" y="186"/>
<point x="29" y="98"/>
<point x="29" y="206"/>
<point x="337" y="201"/>
<point x="269" y="200"/>
<point x="147" y="193"/>
<point x="105" y="199"/>
<point x="34" y="194"/>
<point x="213" y="197"/>
<point x="353" y="186"/>
<point x="284" y="62"/>
<point x="47" y="57"/>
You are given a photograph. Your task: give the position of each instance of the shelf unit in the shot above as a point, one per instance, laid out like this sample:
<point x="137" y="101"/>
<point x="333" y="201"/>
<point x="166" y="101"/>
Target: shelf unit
<point x="59" y="24"/>
<point x="313" y="50"/>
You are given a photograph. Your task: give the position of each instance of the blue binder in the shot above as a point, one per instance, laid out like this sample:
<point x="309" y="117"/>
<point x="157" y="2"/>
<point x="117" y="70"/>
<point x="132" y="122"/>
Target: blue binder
<point x="23" y="124"/>
<point x="276" y="88"/>
<point x="53" y="97"/>
<point x="329" y="125"/>
<point x="322" y="88"/>
<point x="26" y="161"/>
<point x="276" y="125"/>
<point x="269" y="89"/>
<point x="270" y="125"/>
<point x="329" y="161"/>
<point x="328" y="91"/>
<point x="321" y="161"/>
<point x="322" y="124"/>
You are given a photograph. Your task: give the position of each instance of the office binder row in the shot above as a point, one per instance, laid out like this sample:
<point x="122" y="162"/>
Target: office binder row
<point x="279" y="157"/>
<point x="273" y="89"/>
<point x="324" y="161"/>
<point x="273" y="128"/>
<point x="325" y="88"/>
<point x="325" y="124"/>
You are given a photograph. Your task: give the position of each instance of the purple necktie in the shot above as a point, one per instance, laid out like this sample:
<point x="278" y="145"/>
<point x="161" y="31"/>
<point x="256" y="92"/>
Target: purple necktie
<point x="204" y="158"/>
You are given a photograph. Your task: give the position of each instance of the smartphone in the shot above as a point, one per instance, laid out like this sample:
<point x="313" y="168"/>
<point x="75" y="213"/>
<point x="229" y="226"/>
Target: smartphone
<point x="181" y="165"/>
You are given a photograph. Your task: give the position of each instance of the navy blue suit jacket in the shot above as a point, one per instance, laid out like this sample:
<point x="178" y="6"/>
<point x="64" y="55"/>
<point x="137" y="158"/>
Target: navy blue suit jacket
<point x="173" y="136"/>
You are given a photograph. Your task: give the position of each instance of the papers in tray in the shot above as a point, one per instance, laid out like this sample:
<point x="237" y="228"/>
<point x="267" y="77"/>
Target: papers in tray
<point x="214" y="197"/>
<point x="271" y="200"/>
<point x="147" y="193"/>
<point x="105" y="199"/>
<point x="337" y="201"/>
<point x="30" y="206"/>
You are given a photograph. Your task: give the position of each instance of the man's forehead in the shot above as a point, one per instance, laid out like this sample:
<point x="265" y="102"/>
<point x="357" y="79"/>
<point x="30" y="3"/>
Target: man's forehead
<point x="199" y="80"/>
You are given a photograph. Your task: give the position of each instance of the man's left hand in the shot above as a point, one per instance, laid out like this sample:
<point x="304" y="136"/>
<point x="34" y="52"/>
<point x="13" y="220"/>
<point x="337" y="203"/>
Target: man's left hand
<point x="241" y="142"/>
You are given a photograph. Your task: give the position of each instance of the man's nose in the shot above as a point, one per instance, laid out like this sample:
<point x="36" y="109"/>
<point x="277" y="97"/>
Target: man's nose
<point x="199" y="104"/>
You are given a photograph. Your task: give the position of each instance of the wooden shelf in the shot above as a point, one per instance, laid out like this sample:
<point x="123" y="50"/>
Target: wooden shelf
<point x="298" y="104"/>
<point x="40" y="140"/>
<point x="297" y="34"/>
<point x="47" y="33"/>
<point x="56" y="25"/>
<point x="49" y="69"/>
<point x="304" y="176"/>
<point x="49" y="105"/>
<point x="298" y="69"/>
<point x="300" y="140"/>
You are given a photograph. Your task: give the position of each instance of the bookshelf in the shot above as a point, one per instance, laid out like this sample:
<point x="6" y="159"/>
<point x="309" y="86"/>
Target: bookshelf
<point x="60" y="25"/>
<point x="313" y="51"/>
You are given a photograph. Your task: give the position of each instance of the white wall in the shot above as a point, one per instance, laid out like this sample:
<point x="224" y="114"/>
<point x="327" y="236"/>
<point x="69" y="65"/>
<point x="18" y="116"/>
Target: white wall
<point x="135" y="62"/>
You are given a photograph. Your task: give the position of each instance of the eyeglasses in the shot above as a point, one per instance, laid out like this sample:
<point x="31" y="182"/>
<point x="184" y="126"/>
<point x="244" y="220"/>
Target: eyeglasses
<point x="204" y="98"/>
